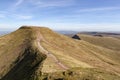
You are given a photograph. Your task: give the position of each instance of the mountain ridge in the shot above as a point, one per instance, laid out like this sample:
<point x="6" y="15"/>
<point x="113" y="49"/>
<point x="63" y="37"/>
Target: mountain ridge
<point x="35" y="53"/>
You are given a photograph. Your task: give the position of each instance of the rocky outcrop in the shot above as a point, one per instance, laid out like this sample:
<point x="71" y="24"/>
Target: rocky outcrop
<point x="76" y="37"/>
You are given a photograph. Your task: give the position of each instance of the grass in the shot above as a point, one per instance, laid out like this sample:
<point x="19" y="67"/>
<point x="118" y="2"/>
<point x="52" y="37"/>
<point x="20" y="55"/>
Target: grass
<point x="81" y="52"/>
<point x="80" y="73"/>
<point x="106" y="42"/>
<point x="83" y="59"/>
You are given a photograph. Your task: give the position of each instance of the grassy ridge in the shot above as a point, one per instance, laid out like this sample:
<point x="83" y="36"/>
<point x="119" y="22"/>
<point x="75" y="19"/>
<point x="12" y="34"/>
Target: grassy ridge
<point x="52" y="56"/>
<point x="106" y="42"/>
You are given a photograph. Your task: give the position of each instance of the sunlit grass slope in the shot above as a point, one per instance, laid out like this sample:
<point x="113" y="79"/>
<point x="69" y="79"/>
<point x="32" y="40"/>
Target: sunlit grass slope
<point x="107" y="42"/>
<point x="38" y="53"/>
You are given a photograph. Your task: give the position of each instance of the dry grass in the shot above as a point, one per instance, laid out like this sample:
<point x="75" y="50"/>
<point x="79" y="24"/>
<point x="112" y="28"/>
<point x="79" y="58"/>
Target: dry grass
<point x="106" y="42"/>
<point x="61" y="53"/>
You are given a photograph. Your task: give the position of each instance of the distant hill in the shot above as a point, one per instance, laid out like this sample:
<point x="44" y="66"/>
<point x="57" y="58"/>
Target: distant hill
<point x="4" y="32"/>
<point x="109" y="42"/>
<point x="38" y="53"/>
<point x="111" y="34"/>
<point x="67" y="32"/>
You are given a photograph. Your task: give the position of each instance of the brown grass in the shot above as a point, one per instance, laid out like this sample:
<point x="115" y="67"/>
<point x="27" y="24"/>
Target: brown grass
<point x="60" y="51"/>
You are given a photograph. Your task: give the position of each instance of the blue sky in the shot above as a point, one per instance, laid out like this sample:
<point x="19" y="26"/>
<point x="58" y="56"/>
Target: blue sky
<point x="81" y="15"/>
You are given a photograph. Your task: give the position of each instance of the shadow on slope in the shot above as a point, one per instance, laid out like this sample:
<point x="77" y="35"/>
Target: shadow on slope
<point x="26" y="66"/>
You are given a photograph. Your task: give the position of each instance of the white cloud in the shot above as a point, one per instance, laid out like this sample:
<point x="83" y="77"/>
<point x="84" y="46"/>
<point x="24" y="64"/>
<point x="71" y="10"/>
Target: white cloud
<point x="2" y="16"/>
<point x="78" y="26"/>
<point x="15" y="15"/>
<point x="24" y="17"/>
<point x="19" y="2"/>
<point x="99" y="9"/>
<point x="16" y="5"/>
<point x="84" y="27"/>
<point x="3" y="12"/>
<point x="52" y="3"/>
<point x="2" y="26"/>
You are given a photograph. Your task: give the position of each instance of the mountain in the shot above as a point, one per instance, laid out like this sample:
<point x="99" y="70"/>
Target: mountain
<point x="109" y="42"/>
<point x="66" y="32"/>
<point x="101" y="33"/>
<point x="38" y="53"/>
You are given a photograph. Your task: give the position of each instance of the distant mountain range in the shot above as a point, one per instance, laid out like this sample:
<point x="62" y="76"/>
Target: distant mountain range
<point x="70" y="32"/>
<point x="4" y="32"/>
<point x="67" y="32"/>
<point x="101" y="33"/>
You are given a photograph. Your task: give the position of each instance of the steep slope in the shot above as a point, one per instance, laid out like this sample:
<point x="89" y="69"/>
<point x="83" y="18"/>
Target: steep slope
<point x="19" y="56"/>
<point x="38" y="53"/>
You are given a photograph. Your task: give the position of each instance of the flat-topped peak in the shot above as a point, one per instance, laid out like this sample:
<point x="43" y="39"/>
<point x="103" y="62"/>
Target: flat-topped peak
<point x="32" y="27"/>
<point x="34" y="30"/>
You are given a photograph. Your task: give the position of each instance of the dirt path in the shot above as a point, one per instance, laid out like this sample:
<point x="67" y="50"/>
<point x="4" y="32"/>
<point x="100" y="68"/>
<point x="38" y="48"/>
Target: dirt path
<point x="52" y="56"/>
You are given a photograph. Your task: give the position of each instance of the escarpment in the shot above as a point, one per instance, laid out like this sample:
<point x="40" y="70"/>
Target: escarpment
<point x="38" y="53"/>
<point x="21" y="57"/>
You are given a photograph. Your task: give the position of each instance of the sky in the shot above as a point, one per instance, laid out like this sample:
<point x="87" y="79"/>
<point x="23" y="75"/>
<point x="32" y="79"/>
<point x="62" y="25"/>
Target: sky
<point x="75" y="15"/>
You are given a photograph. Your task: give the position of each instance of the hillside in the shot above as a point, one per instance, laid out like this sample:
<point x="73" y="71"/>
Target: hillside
<point x="109" y="42"/>
<point x="38" y="53"/>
